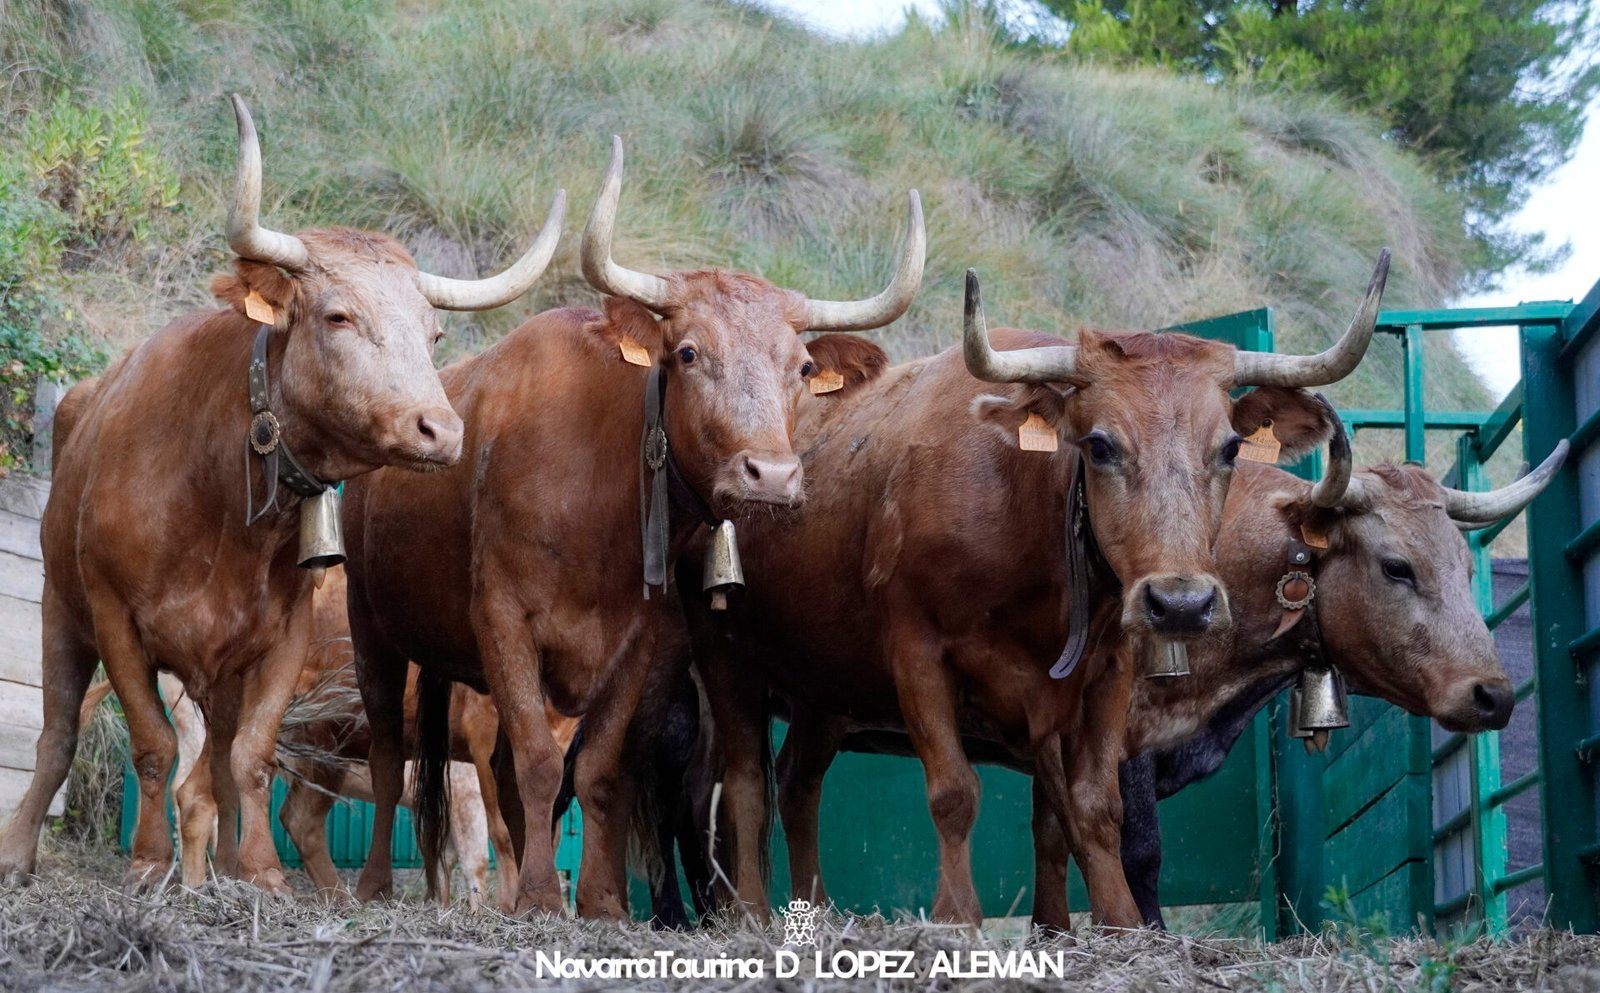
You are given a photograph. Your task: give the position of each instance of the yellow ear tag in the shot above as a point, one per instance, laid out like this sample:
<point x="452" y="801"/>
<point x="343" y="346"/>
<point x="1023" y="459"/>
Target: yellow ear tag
<point x="826" y="381"/>
<point x="1263" y="446"/>
<point x="633" y="352"/>
<point x="258" y="309"/>
<point x="1036" y="435"/>
<point x="1312" y="537"/>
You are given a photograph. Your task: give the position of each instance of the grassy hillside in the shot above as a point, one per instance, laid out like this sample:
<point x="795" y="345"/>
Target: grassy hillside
<point x="1084" y="197"/>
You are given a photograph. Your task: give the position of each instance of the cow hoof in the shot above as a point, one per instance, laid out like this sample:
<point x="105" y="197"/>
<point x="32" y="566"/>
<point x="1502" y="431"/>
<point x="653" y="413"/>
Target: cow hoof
<point x="13" y="874"/>
<point x="531" y="907"/>
<point x="272" y="882"/>
<point x="338" y="896"/>
<point x="145" y="875"/>
<point x="368" y="890"/>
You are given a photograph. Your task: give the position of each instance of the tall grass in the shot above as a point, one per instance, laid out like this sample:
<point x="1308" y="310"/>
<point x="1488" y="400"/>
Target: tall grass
<point x="1083" y="196"/>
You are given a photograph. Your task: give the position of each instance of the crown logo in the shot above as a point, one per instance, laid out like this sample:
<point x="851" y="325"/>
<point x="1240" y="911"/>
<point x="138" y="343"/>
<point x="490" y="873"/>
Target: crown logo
<point x="800" y="923"/>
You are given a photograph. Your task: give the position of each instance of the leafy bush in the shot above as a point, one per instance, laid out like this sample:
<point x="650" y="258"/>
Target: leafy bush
<point x="93" y="165"/>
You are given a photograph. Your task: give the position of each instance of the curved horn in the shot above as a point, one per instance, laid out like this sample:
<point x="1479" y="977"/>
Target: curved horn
<point x="1266" y="369"/>
<point x="1479" y="510"/>
<point x="1047" y="364"/>
<point x="1330" y="489"/>
<point x="602" y="273"/>
<point x="875" y="312"/>
<point x="246" y="236"/>
<point x="496" y="291"/>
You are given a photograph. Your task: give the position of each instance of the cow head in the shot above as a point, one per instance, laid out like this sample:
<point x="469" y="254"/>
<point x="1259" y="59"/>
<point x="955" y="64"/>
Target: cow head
<point x="736" y="365"/>
<point x="1152" y="416"/>
<point x="356" y="387"/>
<point x="1394" y="589"/>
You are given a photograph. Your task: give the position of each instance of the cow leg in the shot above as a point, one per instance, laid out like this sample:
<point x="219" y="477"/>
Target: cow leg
<point x="511" y="668"/>
<point x="197" y="814"/>
<point x="1093" y="803"/>
<point x="481" y="747"/>
<point x="67" y="667"/>
<point x="928" y="700"/>
<point x="1141" y="836"/>
<point x="381" y="675"/>
<point x="505" y="856"/>
<point x="803" y="762"/>
<point x="194" y="798"/>
<point x="268" y="688"/>
<point x="304" y="816"/>
<point x="737" y="697"/>
<point x="221" y="730"/>
<point x="469" y="833"/>
<point x="1050" y="854"/>
<point x="152" y="742"/>
<point x="606" y="793"/>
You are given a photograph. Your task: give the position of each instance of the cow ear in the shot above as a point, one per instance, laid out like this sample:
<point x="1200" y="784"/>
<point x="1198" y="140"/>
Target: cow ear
<point x="629" y="333"/>
<point x="1320" y="527"/>
<point x="850" y="356"/>
<point x="1300" y="421"/>
<point x="257" y="290"/>
<point x="1007" y="411"/>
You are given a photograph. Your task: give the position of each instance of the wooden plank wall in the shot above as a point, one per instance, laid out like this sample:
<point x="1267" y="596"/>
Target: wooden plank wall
<point x="21" y="582"/>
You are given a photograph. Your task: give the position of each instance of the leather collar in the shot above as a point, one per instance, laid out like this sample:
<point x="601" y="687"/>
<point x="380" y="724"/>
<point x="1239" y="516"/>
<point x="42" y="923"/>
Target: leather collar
<point x="661" y="482"/>
<point x="1086" y="567"/>
<point x="265" y="439"/>
<point x="1296" y="595"/>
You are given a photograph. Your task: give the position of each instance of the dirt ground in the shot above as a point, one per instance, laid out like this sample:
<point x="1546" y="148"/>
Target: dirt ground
<point x="75" y="929"/>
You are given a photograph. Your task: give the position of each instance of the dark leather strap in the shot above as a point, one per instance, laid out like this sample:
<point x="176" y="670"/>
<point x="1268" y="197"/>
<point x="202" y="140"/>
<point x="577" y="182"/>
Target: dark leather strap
<point x="1303" y="635"/>
<point x="1080" y="543"/>
<point x="265" y="438"/>
<point x="657" y="488"/>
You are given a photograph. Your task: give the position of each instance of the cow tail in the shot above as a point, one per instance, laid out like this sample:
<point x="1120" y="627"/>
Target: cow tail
<point x="430" y="779"/>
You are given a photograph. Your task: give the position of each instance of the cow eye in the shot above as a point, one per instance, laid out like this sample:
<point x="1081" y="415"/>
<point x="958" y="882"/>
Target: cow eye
<point x="687" y="354"/>
<point x="1100" y="448"/>
<point x="808" y="370"/>
<point x="438" y="336"/>
<point x="339" y="319"/>
<point x="1399" y="571"/>
<point x="1230" y="450"/>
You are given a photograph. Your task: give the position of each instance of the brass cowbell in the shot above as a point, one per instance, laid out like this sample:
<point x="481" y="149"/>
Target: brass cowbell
<point x="1164" y="658"/>
<point x="1318" y="703"/>
<point x="321" y="537"/>
<point x="722" y="573"/>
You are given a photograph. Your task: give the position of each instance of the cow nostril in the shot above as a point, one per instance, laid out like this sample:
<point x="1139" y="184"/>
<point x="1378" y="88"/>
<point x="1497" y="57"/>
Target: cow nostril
<point x="1152" y="602"/>
<point x="1493" y="703"/>
<point x="752" y="470"/>
<point x="426" y="429"/>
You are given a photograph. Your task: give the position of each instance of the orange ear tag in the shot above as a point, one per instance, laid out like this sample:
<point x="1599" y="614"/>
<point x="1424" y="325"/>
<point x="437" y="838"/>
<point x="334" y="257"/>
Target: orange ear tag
<point x="1263" y="446"/>
<point x="1036" y="435"/>
<point x="633" y="352"/>
<point x="258" y="309"/>
<point x="1312" y="537"/>
<point x="826" y="381"/>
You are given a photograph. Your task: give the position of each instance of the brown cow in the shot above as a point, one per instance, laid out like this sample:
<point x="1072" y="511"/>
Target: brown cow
<point x="520" y="570"/>
<point x="150" y="559"/>
<point x="925" y="583"/>
<point x="1397" y="617"/>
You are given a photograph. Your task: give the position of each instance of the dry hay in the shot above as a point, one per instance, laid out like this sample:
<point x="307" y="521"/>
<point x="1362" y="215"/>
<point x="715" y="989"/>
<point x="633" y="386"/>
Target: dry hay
<point x="71" y="930"/>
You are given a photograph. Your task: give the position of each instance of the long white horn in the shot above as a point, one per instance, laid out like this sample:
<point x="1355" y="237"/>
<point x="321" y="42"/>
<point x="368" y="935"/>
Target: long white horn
<point x="598" y="268"/>
<point x="875" y="312"/>
<point x="1046" y="364"/>
<point x="496" y="291"/>
<point x="1479" y="510"/>
<point x="1266" y="369"/>
<point x="246" y="236"/>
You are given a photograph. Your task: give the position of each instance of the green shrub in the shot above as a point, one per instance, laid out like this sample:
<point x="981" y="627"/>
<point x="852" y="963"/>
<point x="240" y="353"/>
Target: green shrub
<point x="93" y="165"/>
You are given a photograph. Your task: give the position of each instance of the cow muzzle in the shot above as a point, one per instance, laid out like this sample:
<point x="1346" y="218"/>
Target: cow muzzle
<point x="1481" y="705"/>
<point x="1177" y="607"/>
<point x="428" y="438"/>
<point x="760" y="477"/>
